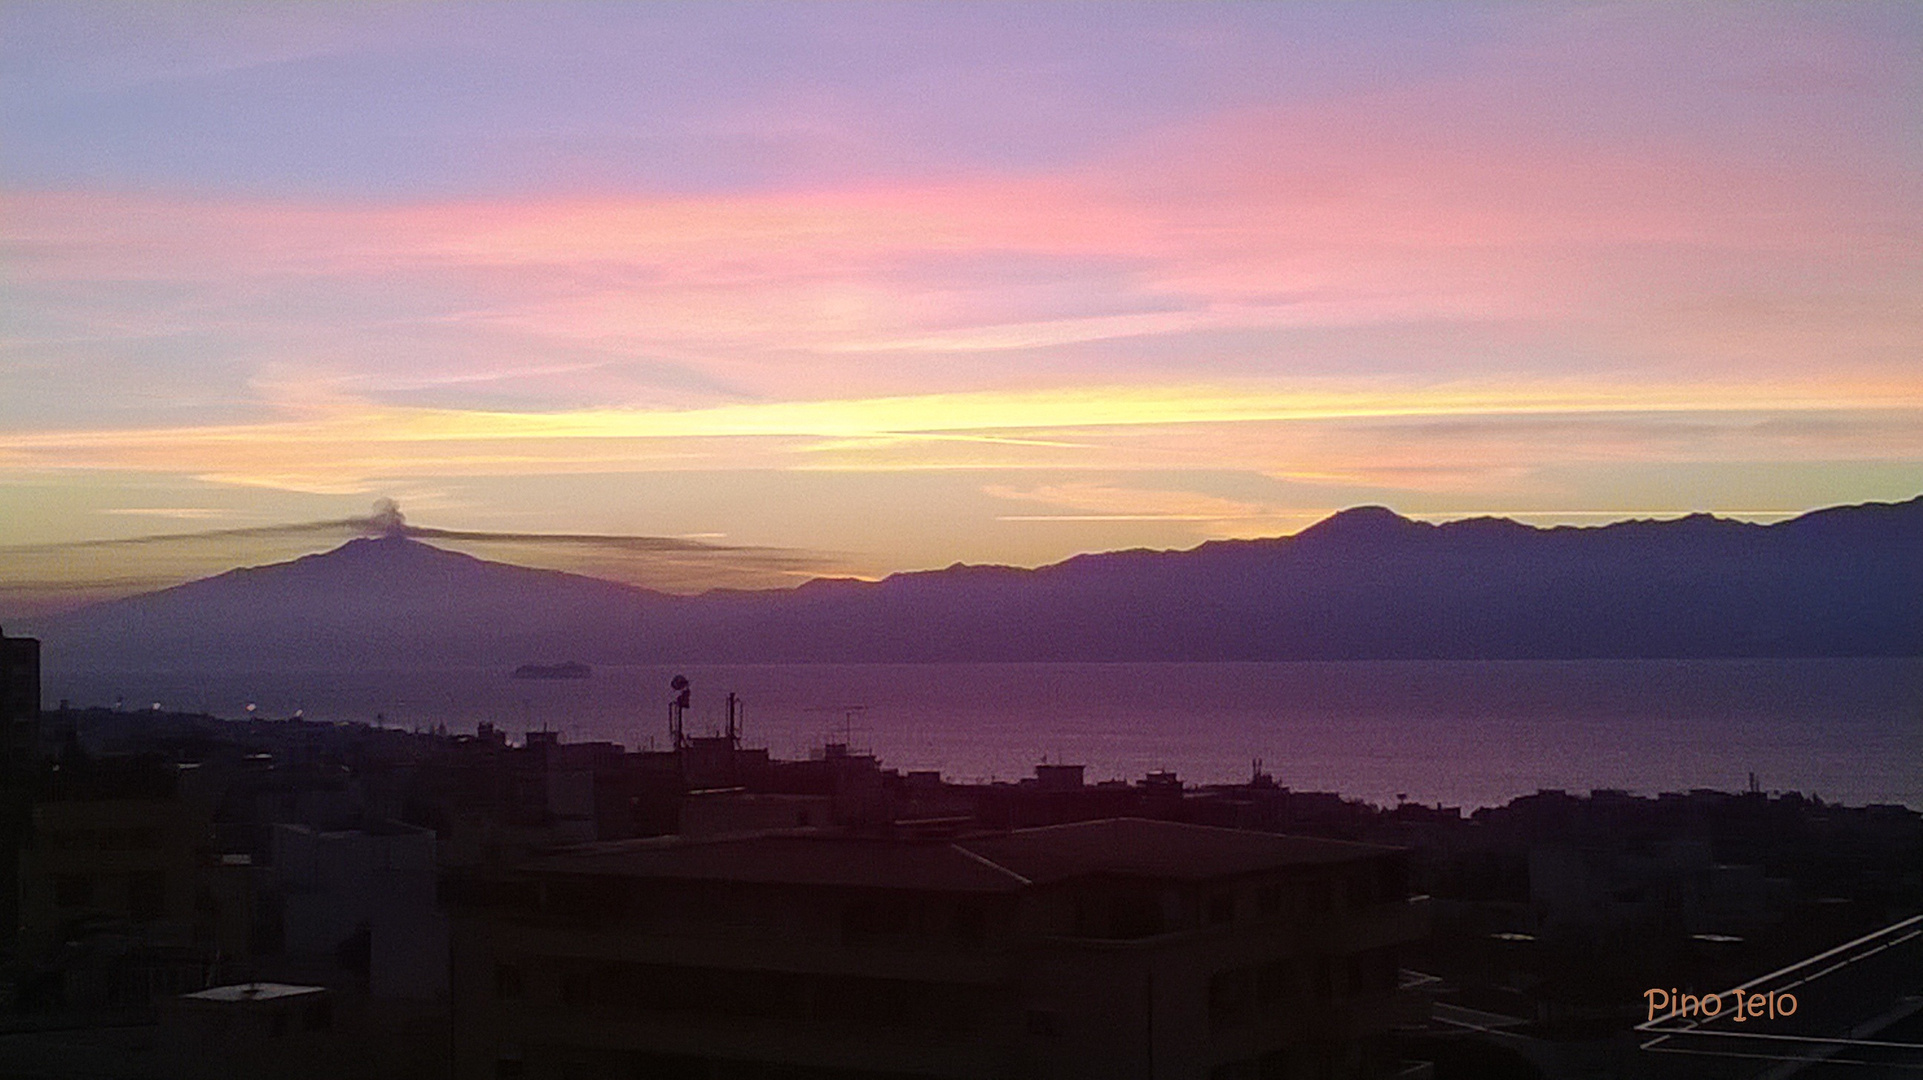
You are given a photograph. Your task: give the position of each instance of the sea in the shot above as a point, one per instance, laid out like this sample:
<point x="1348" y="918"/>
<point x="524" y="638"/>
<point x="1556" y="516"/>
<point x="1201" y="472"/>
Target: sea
<point x="1456" y="733"/>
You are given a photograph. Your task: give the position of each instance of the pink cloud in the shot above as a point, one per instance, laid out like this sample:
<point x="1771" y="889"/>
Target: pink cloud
<point x="1408" y="208"/>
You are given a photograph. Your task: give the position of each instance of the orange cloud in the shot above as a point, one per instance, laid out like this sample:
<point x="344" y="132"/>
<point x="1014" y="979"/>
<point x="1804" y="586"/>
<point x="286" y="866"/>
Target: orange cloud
<point x="1331" y="430"/>
<point x="1384" y="290"/>
<point x="1367" y="211"/>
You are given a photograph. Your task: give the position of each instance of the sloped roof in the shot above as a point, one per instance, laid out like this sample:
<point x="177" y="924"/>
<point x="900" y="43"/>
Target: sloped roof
<point x="1160" y="849"/>
<point x="793" y="859"/>
<point x="990" y="863"/>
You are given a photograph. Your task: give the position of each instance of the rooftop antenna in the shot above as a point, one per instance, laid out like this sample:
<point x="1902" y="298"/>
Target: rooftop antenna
<point x="677" y="709"/>
<point x="734" y="720"/>
<point x="848" y="714"/>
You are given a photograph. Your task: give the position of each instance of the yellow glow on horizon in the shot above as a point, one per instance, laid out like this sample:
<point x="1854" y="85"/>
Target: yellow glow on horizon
<point x="1095" y="407"/>
<point x="339" y="444"/>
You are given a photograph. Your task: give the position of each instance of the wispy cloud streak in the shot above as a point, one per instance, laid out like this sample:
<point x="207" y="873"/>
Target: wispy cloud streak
<point x="1390" y="252"/>
<point x="347" y="447"/>
<point x="38" y="578"/>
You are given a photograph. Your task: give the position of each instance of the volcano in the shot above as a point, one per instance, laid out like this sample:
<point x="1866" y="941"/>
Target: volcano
<point x="1364" y="584"/>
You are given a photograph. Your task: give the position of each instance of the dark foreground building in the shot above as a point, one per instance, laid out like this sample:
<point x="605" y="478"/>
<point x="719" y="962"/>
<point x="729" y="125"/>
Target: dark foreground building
<point x="19" y="701"/>
<point x="1116" y="948"/>
<point x="19" y="749"/>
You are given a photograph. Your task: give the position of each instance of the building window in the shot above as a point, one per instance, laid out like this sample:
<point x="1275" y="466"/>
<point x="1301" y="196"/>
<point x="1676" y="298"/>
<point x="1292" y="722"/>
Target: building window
<point x="1136" y="917"/>
<point x="129" y="839"/>
<point x="1275" y="983"/>
<point x="1044" y="1022"/>
<point x="1229" y="998"/>
<point x="509" y="981"/>
<point x="971" y="923"/>
<point x="72" y="890"/>
<point x="577" y="987"/>
<point x="1359" y="888"/>
<point x="1373" y="971"/>
<point x="1221" y="908"/>
<point x="859" y="922"/>
<point x="1316" y="899"/>
<point x="146" y="896"/>
<point x="1395" y="879"/>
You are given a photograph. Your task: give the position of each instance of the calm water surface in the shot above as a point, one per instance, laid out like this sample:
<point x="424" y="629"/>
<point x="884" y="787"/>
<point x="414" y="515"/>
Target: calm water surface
<point x="1469" y="733"/>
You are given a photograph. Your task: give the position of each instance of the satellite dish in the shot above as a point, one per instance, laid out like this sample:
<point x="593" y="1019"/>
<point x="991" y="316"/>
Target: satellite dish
<point x="680" y="683"/>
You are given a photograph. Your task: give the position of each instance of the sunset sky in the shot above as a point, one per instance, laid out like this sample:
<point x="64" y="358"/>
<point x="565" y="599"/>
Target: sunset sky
<point x="856" y="289"/>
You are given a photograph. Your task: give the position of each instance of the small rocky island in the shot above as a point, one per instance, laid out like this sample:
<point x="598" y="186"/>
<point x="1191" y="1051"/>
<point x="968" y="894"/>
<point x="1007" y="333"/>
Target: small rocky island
<point x="572" y="669"/>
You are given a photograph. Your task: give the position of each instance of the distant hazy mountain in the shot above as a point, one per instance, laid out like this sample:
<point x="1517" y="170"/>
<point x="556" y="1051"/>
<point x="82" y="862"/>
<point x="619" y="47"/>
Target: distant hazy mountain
<point x="389" y="602"/>
<point x="1363" y="584"/>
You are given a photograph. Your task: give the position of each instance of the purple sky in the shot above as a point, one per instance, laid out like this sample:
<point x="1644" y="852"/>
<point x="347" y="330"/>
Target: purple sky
<point x="905" y="284"/>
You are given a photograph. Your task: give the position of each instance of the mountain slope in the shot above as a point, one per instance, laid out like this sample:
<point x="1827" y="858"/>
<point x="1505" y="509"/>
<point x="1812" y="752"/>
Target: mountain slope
<point x="1365" y="583"/>
<point x="1369" y="584"/>
<point x="379" y="602"/>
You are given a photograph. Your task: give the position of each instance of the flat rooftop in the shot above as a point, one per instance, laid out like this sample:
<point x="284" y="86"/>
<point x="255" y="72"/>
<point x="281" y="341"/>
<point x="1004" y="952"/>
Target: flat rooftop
<point x="258" y="991"/>
<point x="989" y="863"/>
<point x="790" y="860"/>
<point x="1139" y="847"/>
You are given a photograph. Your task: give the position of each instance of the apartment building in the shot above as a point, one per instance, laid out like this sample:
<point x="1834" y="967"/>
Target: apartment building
<point x="19" y="702"/>
<point x="1112" y="948"/>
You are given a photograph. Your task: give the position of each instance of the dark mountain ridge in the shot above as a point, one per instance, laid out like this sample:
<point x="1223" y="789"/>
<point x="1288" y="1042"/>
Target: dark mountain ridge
<point x="372" y="602"/>
<point x="1363" y="584"/>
